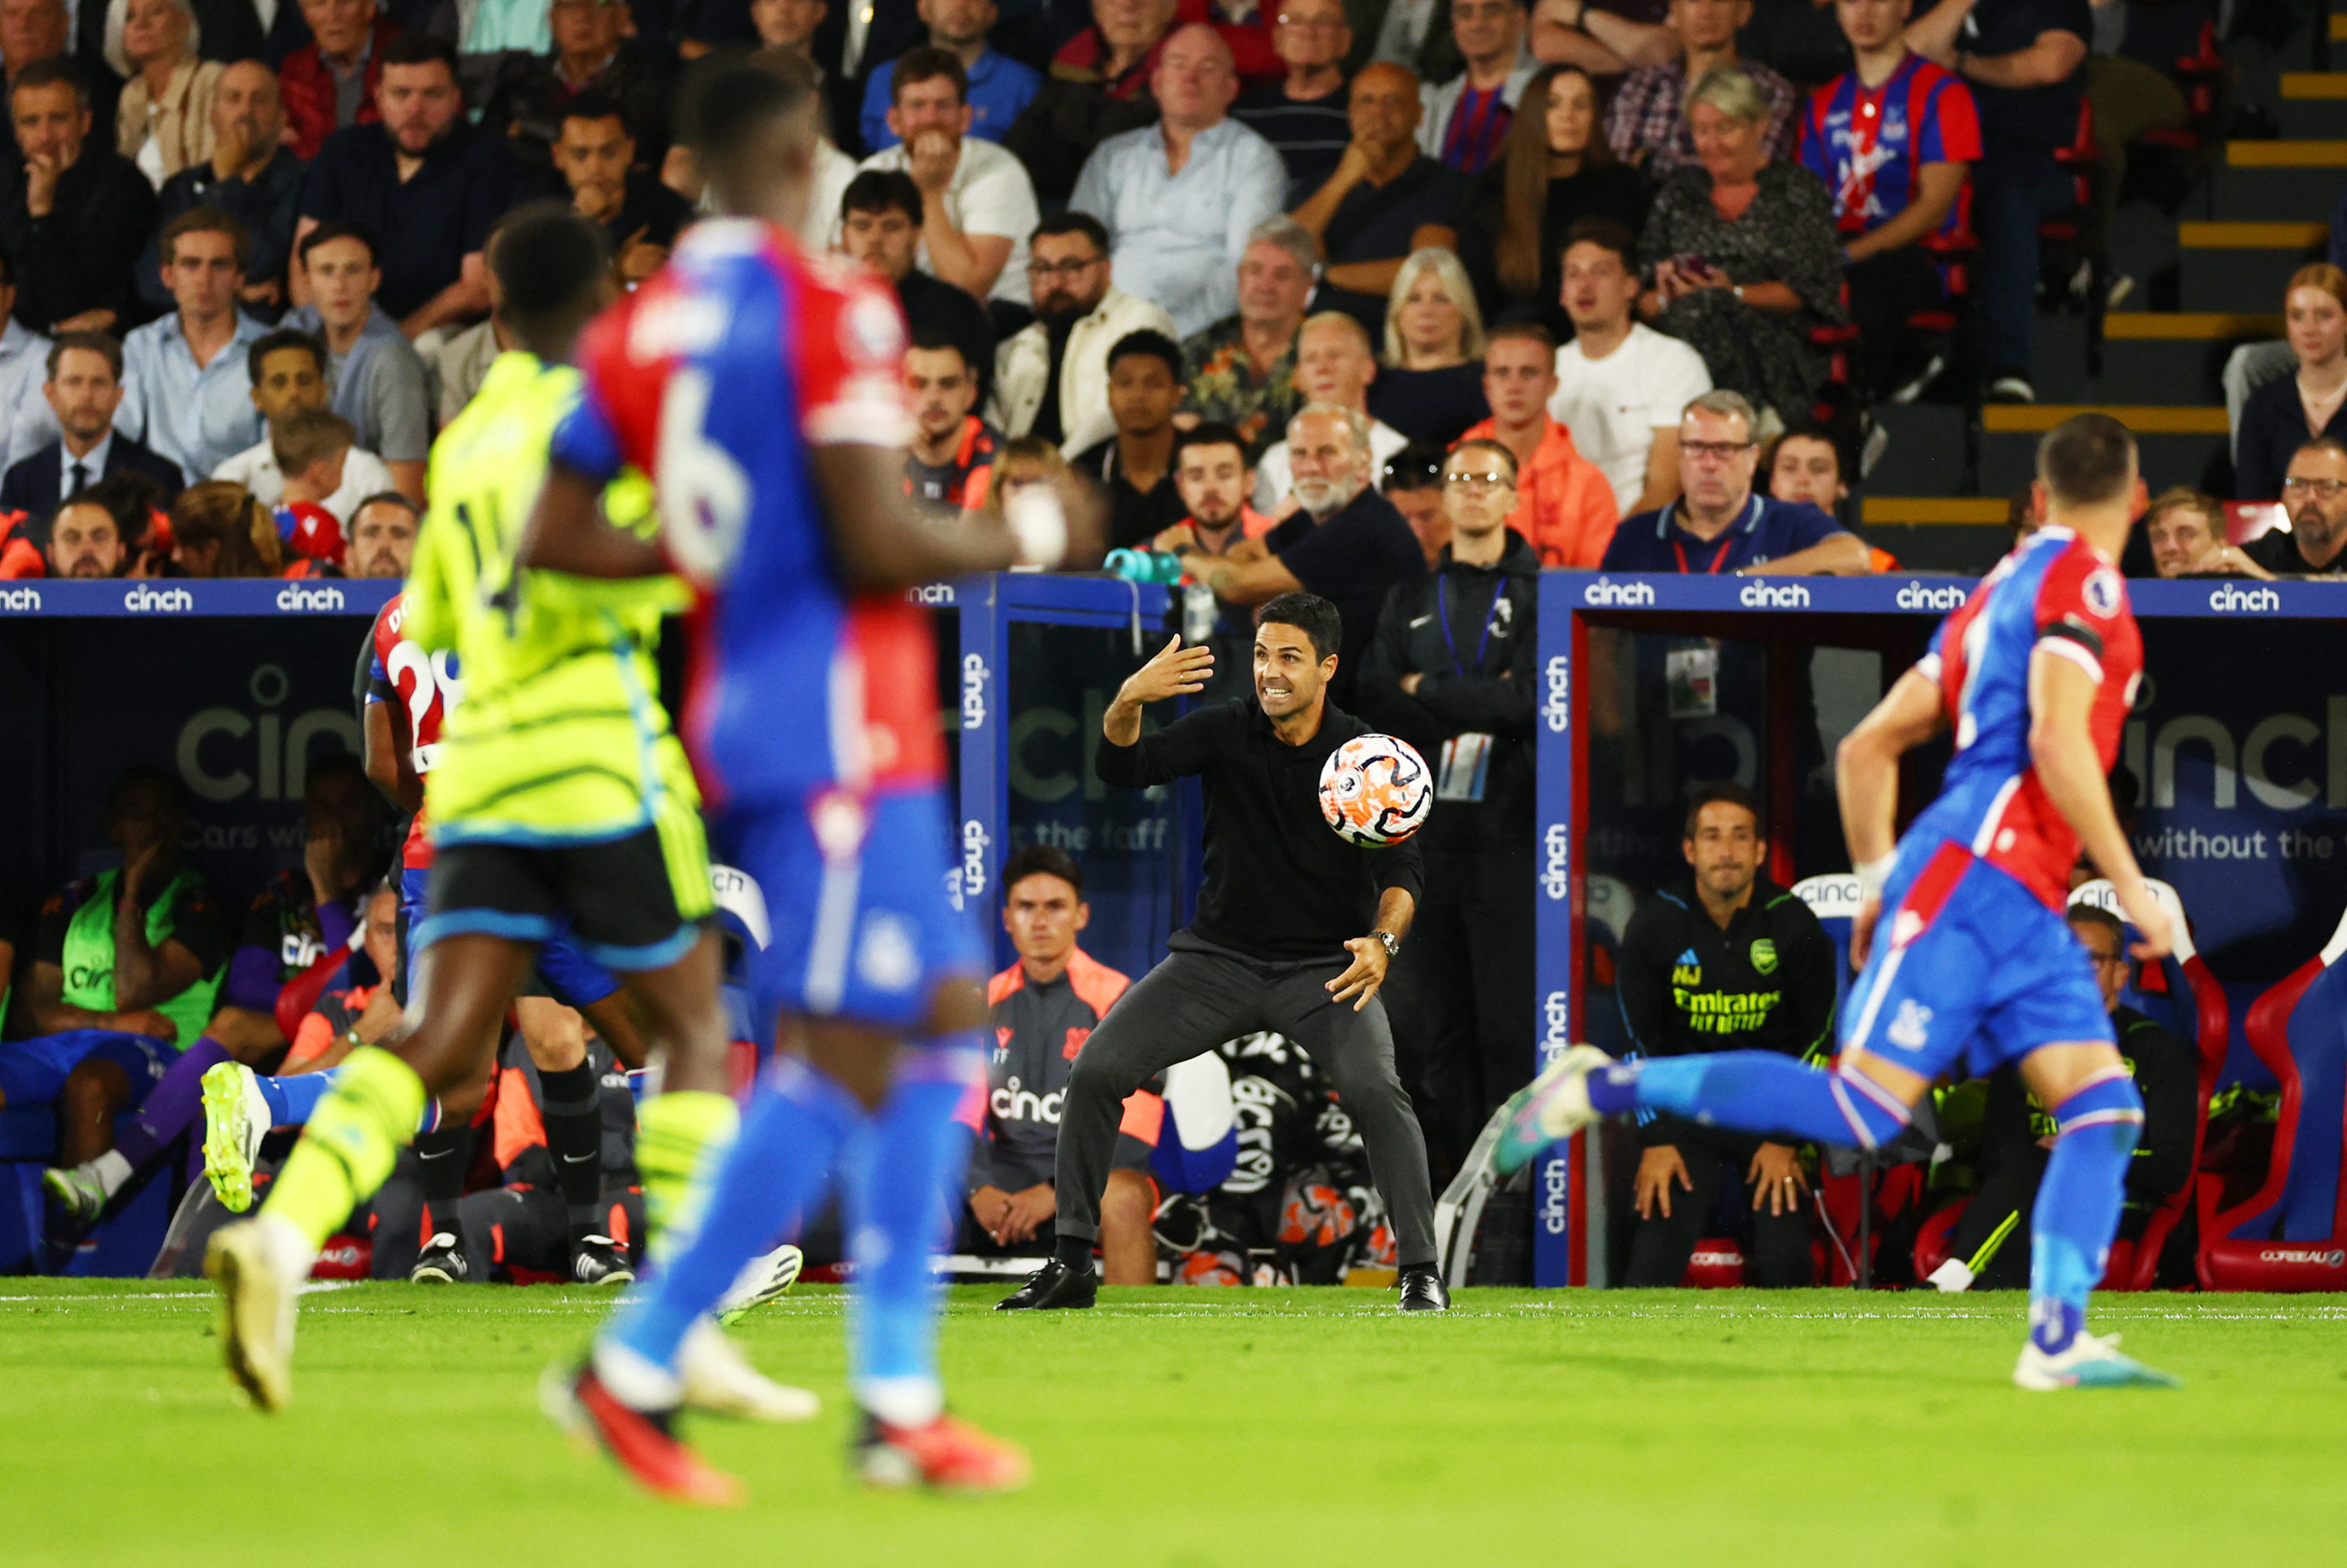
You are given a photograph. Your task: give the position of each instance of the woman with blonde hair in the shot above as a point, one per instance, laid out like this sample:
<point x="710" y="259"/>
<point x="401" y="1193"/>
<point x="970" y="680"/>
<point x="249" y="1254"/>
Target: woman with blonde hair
<point x="163" y="122"/>
<point x="217" y="529"/>
<point x="2284" y="415"/>
<point x="1429" y="384"/>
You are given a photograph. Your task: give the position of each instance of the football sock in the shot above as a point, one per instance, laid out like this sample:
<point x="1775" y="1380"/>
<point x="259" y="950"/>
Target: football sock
<point x="896" y="1177"/>
<point x="169" y="1109"/>
<point x="2078" y="1204"/>
<point x="574" y="1136"/>
<point x="1074" y="1251"/>
<point x="676" y="1133"/>
<point x="1753" y="1092"/>
<point x="442" y="1158"/>
<point x="355" y="1137"/>
<point x="293" y="1101"/>
<point x="758" y="1189"/>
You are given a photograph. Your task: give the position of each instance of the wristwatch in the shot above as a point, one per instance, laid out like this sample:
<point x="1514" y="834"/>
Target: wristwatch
<point x="1391" y="943"/>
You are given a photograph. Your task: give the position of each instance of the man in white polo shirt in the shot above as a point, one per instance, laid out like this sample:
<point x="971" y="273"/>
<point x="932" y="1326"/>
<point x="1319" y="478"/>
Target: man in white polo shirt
<point x="978" y="206"/>
<point x="1620" y="383"/>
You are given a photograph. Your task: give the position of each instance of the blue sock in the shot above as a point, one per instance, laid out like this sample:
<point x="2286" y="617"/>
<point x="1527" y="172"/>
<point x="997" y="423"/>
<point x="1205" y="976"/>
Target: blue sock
<point x="292" y="1100"/>
<point x="1753" y="1092"/>
<point x="776" y="1169"/>
<point x="897" y="1180"/>
<point x="2078" y="1204"/>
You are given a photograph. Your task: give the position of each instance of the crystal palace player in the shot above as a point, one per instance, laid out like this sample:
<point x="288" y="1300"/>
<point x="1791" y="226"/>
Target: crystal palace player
<point x="2035" y="674"/>
<point x="760" y="387"/>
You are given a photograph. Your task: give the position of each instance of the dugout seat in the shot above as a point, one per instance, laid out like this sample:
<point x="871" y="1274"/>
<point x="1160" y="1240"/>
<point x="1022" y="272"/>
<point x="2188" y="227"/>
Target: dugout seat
<point x="2181" y="995"/>
<point x="2292" y="1234"/>
<point x="1833" y="900"/>
<point x="1608" y="905"/>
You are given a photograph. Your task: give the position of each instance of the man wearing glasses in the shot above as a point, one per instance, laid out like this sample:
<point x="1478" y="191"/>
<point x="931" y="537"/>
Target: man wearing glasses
<point x="1050" y="378"/>
<point x="2314" y="493"/>
<point x="1304" y="116"/>
<point x="1719" y="525"/>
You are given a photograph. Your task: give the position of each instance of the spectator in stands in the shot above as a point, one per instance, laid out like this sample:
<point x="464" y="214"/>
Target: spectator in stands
<point x="2314" y="492"/>
<point x="1648" y="123"/>
<point x="1241" y="371"/>
<point x="1334" y="365"/>
<point x="2186" y="532"/>
<point x="1892" y="140"/>
<point x="1414" y="484"/>
<point x="949" y="463"/>
<point x="2025" y="63"/>
<point x="1099" y="87"/>
<point x="1743" y="252"/>
<point x="978" y="206"/>
<point x="75" y="215"/>
<point x="1025" y="460"/>
<point x="996" y="86"/>
<point x="250" y="175"/>
<point x="1041" y="1008"/>
<point x="2016" y="1131"/>
<point x="1212" y="473"/>
<point x="423" y="183"/>
<point x="329" y="83"/>
<point x="880" y="226"/>
<point x="187" y="387"/>
<point x="1621" y="384"/>
<point x="35" y="31"/>
<point x="220" y="530"/>
<point x="314" y="451"/>
<point x="592" y="55"/>
<point x="84" y="389"/>
<point x="377" y="377"/>
<point x="125" y="965"/>
<point x="1135" y="465"/>
<point x="1466" y="118"/>
<point x="1385" y="201"/>
<point x="163" y="122"/>
<point x="1050" y="378"/>
<point x="1565" y="506"/>
<point x="1554" y="170"/>
<point x="596" y="153"/>
<point x="25" y="421"/>
<point x="1429" y="384"/>
<point x="86" y="541"/>
<point x="1344" y="541"/>
<point x="1303" y="115"/>
<point x="1451" y="671"/>
<point x="288" y="371"/>
<point x="1720" y="524"/>
<point x="1806" y="465"/>
<point x="1182" y="198"/>
<point x="2280" y="415"/>
<point x="1726" y="953"/>
<point x="383" y="537"/>
<point x="1605" y="38"/>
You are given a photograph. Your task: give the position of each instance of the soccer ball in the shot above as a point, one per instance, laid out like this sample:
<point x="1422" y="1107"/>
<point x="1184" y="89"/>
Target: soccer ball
<point x="1375" y="790"/>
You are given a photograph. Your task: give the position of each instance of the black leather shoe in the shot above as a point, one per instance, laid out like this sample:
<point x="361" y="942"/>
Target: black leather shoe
<point x="1422" y="1290"/>
<point x="1054" y="1284"/>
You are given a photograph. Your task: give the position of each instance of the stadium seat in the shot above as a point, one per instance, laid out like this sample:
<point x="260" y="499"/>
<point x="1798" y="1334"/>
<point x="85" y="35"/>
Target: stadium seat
<point x="1608" y="904"/>
<point x="2292" y="1234"/>
<point x="1833" y="900"/>
<point x="2247" y="521"/>
<point x="1198" y="1141"/>
<point x="1937" y="1238"/>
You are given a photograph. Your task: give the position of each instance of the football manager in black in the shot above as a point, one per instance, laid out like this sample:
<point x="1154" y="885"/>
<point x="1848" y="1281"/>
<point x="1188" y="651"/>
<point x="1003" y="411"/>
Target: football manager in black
<point x="1295" y="930"/>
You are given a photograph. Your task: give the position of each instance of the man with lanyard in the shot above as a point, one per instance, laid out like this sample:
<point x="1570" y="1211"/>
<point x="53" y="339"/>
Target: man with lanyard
<point x="1451" y="670"/>
<point x="1719" y="523"/>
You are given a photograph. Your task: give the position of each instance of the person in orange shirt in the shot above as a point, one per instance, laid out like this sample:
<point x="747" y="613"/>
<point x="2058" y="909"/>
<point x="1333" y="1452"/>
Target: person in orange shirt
<point x="1565" y="505"/>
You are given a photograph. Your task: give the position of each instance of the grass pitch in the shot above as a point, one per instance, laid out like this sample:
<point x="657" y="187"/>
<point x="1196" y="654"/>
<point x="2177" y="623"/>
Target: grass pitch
<point x="1194" y="1426"/>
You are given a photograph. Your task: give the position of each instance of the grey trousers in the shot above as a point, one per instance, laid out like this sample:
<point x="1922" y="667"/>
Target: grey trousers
<point x="1202" y="995"/>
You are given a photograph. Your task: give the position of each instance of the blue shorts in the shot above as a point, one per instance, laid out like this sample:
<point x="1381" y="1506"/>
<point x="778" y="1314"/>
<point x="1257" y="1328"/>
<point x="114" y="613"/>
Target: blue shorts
<point x="855" y="894"/>
<point x="572" y="977"/>
<point x="1969" y="963"/>
<point x="33" y="1072"/>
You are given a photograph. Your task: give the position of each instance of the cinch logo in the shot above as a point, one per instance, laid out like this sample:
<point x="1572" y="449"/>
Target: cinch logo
<point x="1553" y="1182"/>
<point x="224" y="754"/>
<point x="2319" y="1257"/>
<point x="1774" y="596"/>
<point x="1012" y="1104"/>
<point x="295" y="596"/>
<point x="1558" y="710"/>
<point x="973" y="692"/>
<point x="931" y="593"/>
<point x="2252" y="599"/>
<point x="1621" y="593"/>
<point x="973" y="842"/>
<point x="1555" y="880"/>
<point x="142" y="598"/>
<point x="20" y="599"/>
<point x="1558" y="1020"/>
<point x="1915" y="596"/>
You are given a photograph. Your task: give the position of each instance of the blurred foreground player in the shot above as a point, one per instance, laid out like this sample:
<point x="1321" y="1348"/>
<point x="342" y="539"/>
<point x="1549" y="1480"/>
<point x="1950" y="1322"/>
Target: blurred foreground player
<point x="760" y="388"/>
<point x="2035" y="674"/>
<point x="562" y="802"/>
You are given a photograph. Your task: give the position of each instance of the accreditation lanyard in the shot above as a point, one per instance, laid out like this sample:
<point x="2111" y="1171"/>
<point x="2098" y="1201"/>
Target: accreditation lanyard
<point x="1442" y="613"/>
<point x="1718" y="557"/>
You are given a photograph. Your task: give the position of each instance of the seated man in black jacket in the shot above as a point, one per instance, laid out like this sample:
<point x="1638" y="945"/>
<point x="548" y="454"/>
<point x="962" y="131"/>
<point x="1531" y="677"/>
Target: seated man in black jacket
<point x="78" y="213"/>
<point x="1451" y="671"/>
<point x="2016" y="1131"/>
<point x="1726" y="960"/>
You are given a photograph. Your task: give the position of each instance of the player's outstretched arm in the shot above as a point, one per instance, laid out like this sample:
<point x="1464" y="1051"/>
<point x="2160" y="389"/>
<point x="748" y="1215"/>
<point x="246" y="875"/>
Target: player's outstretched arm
<point x="2062" y="749"/>
<point x="880" y="542"/>
<point x="1866" y="778"/>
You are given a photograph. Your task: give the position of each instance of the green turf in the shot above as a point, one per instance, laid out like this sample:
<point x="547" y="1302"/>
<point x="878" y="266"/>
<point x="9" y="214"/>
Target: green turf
<point x="1193" y="1426"/>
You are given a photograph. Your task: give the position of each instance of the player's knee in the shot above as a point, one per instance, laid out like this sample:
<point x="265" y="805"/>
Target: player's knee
<point x="1875" y="1115"/>
<point x="94" y="1087"/>
<point x="958" y="1004"/>
<point x="555" y="1035"/>
<point x="2108" y="1101"/>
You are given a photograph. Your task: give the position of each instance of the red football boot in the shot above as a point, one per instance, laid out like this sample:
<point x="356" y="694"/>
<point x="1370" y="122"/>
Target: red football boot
<point x="947" y="1454"/>
<point x="639" y="1441"/>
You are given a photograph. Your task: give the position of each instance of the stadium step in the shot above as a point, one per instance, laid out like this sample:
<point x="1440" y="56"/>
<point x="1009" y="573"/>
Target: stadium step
<point x="2243" y="267"/>
<point x="2177" y="443"/>
<point x="1937" y="533"/>
<point x="1926" y="452"/>
<point x="2158" y="356"/>
<point x="2314" y="103"/>
<point x="2266" y="181"/>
